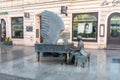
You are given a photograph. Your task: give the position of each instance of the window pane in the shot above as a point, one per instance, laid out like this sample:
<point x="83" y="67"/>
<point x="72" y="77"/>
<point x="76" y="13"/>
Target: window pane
<point x="85" y="25"/>
<point x="115" y="27"/>
<point x="17" y="27"/>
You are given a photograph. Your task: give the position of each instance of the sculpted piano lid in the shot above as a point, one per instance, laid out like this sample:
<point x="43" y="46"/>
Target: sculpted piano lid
<point x="51" y="27"/>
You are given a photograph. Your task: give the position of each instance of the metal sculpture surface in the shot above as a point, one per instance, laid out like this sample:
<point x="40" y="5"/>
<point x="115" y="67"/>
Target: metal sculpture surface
<point x="51" y="27"/>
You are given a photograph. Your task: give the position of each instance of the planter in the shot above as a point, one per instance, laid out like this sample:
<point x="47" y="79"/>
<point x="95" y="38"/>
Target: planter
<point x="8" y="43"/>
<point x="7" y="46"/>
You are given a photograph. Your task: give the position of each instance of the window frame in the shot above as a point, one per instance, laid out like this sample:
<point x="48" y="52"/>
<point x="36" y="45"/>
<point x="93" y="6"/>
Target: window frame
<point x="86" y="40"/>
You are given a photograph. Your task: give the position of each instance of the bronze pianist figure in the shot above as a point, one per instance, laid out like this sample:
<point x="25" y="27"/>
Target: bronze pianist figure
<point x="78" y="54"/>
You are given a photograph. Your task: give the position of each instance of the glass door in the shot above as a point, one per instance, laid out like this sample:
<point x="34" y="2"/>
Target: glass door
<point x="114" y="29"/>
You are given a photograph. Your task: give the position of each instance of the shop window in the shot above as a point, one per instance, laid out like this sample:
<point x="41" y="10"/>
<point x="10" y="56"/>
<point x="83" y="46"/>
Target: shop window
<point x="115" y="26"/>
<point x="17" y="27"/>
<point x="85" y="25"/>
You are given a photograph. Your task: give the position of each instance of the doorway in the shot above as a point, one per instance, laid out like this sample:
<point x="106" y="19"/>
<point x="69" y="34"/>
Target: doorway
<point x="113" y="34"/>
<point x="39" y="38"/>
<point x="3" y="29"/>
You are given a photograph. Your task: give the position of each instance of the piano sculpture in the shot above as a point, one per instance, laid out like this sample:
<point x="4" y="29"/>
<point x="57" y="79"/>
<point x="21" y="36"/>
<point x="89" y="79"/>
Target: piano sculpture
<point x="51" y="27"/>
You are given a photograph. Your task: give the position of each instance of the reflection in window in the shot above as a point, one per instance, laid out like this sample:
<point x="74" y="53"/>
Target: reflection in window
<point x="115" y="27"/>
<point x="17" y="27"/>
<point x="85" y="25"/>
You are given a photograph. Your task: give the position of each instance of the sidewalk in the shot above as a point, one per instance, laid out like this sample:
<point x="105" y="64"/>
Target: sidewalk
<point x="20" y="63"/>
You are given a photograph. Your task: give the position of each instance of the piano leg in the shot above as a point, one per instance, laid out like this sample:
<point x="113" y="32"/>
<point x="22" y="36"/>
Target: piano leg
<point x="38" y="56"/>
<point x="66" y="58"/>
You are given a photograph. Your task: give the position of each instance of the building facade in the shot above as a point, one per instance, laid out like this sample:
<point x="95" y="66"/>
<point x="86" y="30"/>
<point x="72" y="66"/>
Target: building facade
<point x="97" y="21"/>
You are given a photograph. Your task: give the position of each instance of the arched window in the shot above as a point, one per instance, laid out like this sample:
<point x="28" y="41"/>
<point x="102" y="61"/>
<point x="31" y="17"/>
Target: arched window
<point x="85" y="25"/>
<point x="3" y="28"/>
<point x="115" y="26"/>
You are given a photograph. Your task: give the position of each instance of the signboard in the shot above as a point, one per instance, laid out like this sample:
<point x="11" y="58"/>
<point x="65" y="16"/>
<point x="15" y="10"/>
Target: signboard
<point x="29" y="28"/>
<point x="3" y="13"/>
<point x="37" y="33"/>
<point x="64" y="10"/>
<point x="27" y="15"/>
<point x="102" y="30"/>
<point x="110" y="2"/>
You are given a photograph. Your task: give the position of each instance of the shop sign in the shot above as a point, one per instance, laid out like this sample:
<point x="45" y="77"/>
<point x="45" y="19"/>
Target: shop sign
<point x="27" y="15"/>
<point x="102" y="30"/>
<point x="37" y="33"/>
<point x="29" y="28"/>
<point x="64" y="10"/>
<point x="3" y="13"/>
<point x="111" y="2"/>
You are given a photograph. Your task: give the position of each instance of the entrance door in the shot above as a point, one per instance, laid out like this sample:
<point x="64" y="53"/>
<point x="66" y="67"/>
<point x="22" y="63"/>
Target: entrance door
<point x="113" y="35"/>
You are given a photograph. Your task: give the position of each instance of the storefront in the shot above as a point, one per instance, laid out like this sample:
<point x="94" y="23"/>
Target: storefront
<point x="96" y="21"/>
<point x="85" y="25"/>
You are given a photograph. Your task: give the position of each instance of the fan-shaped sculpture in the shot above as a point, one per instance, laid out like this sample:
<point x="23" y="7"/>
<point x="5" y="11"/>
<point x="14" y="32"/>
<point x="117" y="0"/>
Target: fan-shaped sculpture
<point x="51" y="26"/>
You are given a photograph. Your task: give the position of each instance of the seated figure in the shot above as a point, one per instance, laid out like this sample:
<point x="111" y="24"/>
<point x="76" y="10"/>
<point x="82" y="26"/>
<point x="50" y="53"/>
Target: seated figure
<point x="79" y="54"/>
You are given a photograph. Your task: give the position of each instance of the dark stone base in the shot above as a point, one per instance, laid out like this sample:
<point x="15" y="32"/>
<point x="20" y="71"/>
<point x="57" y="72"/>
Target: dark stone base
<point x="45" y="54"/>
<point x="55" y="54"/>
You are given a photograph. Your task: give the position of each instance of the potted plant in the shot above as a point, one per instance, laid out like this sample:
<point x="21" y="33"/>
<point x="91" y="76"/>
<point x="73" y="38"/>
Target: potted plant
<point x="7" y="44"/>
<point x="8" y="41"/>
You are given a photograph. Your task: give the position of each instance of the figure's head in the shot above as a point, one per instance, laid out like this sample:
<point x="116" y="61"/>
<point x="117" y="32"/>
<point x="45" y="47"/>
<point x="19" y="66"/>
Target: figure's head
<point x="79" y="38"/>
<point x="51" y="27"/>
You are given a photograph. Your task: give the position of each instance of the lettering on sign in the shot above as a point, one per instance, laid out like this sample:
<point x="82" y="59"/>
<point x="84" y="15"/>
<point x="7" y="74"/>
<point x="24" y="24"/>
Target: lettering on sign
<point x="112" y="2"/>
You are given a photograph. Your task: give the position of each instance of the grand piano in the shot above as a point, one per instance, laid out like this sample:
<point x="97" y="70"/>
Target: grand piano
<point x="61" y="49"/>
<point x="51" y="27"/>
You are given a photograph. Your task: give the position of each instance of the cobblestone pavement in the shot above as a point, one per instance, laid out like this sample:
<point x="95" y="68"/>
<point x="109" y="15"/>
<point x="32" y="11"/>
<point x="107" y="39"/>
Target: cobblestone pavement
<point x="20" y="63"/>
